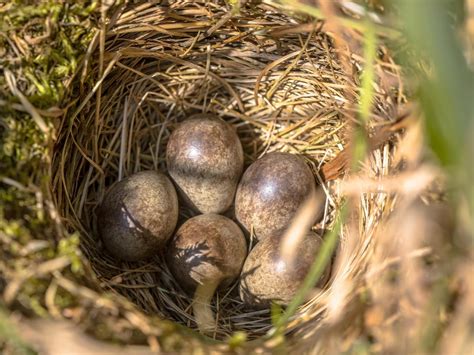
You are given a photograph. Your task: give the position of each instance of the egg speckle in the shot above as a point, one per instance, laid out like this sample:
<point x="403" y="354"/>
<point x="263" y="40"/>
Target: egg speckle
<point x="204" y="157"/>
<point x="206" y="248"/>
<point x="271" y="191"/>
<point x="138" y="215"/>
<point x="267" y="277"/>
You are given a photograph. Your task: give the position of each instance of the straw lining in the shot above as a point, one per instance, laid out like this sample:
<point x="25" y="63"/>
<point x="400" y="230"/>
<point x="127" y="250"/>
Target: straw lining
<point x="283" y="90"/>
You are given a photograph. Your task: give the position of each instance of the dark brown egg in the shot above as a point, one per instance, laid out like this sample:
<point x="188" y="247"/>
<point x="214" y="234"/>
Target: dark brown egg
<point x="138" y="215"/>
<point x="207" y="249"/>
<point x="205" y="159"/>
<point x="271" y="191"/>
<point x="267" y="277"/>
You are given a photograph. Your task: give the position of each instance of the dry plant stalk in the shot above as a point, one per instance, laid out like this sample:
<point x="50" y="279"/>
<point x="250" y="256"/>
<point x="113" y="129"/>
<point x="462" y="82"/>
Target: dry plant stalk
<point x="282" y="89"/>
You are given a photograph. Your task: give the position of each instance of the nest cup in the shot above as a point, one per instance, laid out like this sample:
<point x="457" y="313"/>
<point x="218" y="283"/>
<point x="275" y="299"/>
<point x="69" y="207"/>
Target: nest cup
<point x="282" y="87"/>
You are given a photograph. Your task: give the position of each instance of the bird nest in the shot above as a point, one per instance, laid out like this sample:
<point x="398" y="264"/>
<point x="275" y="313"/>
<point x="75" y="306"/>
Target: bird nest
<point x="280" y="79"/>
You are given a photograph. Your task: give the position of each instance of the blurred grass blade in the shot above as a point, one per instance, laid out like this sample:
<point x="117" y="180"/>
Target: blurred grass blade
<point x="301" y="224"/>
<point x="315" y="272"/>
<point x="447" y="94"/>
<point x="358" y="154"/>
<point x="368" y="74"/>
<point x="303" y="6"/>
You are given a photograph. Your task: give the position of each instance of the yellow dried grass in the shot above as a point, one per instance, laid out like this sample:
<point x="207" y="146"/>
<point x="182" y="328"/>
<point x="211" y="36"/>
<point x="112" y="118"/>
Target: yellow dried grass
<point x="285" y="86"/>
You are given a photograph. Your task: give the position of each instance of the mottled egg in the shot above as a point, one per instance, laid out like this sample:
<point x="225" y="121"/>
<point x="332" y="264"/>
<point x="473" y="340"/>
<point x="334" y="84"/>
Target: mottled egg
<point x="208" y="248"/>
<point x="138" y="215"/>
<point x="271" y="191"/>
<point x="205" y="159"/>
<point x="267" y="277"/>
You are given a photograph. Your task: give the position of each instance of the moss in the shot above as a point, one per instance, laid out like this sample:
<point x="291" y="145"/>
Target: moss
<point x="42" y="70"/>
<point x="42" y="45"/>
<point x="41" y="67"/>
<point x="52" y="37"/>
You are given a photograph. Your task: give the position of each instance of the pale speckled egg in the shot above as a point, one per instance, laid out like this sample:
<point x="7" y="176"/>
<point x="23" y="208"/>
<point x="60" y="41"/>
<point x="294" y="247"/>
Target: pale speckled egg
<point x="204" y="157"/>
<point x="271" y="191"/>
<point x="206" y="248"/>
<point x="266" y="277"/>
<point x="138" y="215"/>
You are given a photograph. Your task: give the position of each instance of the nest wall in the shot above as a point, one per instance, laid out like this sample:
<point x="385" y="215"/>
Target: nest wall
<point x="278" y="79"/>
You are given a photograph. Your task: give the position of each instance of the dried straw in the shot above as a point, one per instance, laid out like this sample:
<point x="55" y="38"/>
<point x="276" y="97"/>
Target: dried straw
<point x="278" y="79"/>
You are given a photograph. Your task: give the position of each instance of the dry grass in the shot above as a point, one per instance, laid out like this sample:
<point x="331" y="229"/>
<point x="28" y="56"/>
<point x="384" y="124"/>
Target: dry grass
<point x="401" y="272"/>
<point x="282" y="88"/>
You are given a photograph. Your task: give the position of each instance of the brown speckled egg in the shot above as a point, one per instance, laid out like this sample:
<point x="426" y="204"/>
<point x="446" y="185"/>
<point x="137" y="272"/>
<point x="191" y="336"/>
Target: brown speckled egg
<point x="205" y="159"/>
<point x="206" y="249"/>
<point x="271" y="191"/>
<point x="138" y="215"/>
<point x="267" y="277"/>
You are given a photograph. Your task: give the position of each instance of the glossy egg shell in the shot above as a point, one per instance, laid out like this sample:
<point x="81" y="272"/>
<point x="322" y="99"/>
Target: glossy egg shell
<point x="266" y="277"/>
<point x="271" y="191"/>
<point x="138" y="215"/>
<point x="204" y="157"/>
<point x="206" y="247"/>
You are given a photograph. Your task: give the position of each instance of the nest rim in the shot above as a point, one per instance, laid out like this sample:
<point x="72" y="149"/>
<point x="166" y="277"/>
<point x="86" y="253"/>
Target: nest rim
<point x="318" y="139"/>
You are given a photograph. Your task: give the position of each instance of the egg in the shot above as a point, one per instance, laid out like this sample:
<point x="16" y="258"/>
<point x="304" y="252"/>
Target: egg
<point x="271" y="191"/>
<point x="206" y="249"/>
<point x="204" y="157"/>
<point x="267" y="277"/>
<point x="138" y="215"/>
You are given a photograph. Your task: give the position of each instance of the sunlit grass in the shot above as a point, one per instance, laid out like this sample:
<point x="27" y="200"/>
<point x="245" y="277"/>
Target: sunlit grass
<point x="445" y="96"/>
<point x="315" y="272"/>
<point x="359" y="152"/>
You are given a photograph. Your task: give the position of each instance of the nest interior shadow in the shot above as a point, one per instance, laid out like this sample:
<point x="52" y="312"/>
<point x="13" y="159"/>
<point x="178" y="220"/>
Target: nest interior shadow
<point x="283" y="88"/>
